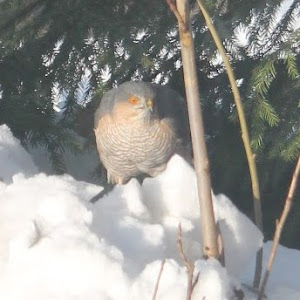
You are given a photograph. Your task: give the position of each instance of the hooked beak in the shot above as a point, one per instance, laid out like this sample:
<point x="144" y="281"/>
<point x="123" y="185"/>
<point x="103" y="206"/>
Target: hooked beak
<point x="149" y="104"/>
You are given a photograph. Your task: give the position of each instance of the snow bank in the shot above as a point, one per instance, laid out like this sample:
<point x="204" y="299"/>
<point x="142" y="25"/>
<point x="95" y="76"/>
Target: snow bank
<point x="54" y="244"/>
<point x="47" y="249"/>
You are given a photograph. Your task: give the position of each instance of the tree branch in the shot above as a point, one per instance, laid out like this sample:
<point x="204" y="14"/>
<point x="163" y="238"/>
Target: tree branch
<point x="201" y="162"/>
<point x="20" y="15"/>
<point x="177" y="15"/>
<point x="188" y="264"/>
<point x="158" y="279"/>
<point x="279" y="227"/>
<point x="245" y="137"/>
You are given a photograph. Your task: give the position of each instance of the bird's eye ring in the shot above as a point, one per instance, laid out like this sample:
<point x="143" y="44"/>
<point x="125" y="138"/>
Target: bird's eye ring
<point x="133" y="100"/>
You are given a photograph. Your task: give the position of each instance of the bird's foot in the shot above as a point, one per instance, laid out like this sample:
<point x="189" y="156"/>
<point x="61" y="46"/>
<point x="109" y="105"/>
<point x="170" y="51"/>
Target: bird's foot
<point x="114" y="179"/>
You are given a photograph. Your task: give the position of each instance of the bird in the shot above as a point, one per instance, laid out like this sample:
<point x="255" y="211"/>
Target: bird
<point x="138" y="127"/>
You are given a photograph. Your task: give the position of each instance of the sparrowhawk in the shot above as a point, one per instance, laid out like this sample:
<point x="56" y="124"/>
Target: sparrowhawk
<point x="138" y="127"/>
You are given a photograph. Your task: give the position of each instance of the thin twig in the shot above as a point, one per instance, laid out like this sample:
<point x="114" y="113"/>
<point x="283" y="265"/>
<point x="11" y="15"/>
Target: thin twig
<point x="188" y="264"/>
<point x="158" y="279"/>
<point x="220" y="245"/>
<point x="279" y="227"/>
<point x="180" y="20"/>
<point x="196" y="281"/>
<point x="245" y="137"/>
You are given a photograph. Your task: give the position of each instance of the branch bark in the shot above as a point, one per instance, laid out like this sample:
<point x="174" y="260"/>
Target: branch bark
<point x="279" y="227"/>
<point x="188" y="264"/>
<point x="208" y="226"/>
<point x="245" y="137"/>
<point x="158" y="279"/>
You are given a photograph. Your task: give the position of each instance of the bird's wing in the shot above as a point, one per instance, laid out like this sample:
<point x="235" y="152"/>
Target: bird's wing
<point x="171" y="106"/>
<point x="106" y="105"/>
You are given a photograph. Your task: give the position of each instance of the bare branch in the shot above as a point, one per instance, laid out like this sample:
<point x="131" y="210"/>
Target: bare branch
<point x="180" y="248"/>
<point x="196" y="281"/>
<point x="245" y="137"/>
<point x="188" y="264"/>
<point x="201" y="162"/>
<point x="279" y="227"/>
<point x="220" y="246"/>
<point x="177" y="14"/>
<point x="158" y="279"/>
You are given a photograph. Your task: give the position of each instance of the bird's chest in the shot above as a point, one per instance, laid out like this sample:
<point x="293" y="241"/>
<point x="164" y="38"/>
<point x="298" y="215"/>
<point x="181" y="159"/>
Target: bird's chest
<point x="137" y="141"/>
<point x="143" y="140"/>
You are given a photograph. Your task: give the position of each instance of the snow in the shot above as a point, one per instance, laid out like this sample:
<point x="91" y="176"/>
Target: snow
<point x="284" y="277"/>
<point x="54" y="244"/>
<point x="214" y="282"/>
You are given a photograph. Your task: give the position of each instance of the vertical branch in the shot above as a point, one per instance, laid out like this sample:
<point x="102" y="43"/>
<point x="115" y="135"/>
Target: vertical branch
<point x="245" y="138"/>
<point x="188" y="264"/>
<point x="220" y="246"/>
<point x="279" y="227"/>
<point x="158" y="279"/>
<point x="208" y="226"/>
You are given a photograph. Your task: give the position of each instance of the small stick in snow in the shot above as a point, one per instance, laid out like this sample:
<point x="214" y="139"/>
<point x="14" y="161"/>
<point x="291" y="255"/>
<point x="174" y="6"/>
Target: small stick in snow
<point x="279" y="227"/>
<point x="220" y="246"/>
<point x="188" y="264"/>
<point x="158" y="279"/>
<point x="196" y="281"/>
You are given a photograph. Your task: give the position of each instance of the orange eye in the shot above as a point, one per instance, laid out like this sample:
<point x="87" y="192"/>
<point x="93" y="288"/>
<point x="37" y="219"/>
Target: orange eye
<point x="134" y="100"/>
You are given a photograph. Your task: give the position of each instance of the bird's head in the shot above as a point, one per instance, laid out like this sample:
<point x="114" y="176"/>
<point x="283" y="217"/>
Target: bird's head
<point x="143" y="107"/>
<point x="135" y="100"/>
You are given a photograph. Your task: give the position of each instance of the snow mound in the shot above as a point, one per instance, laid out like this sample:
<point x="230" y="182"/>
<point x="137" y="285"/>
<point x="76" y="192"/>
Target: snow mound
<point x="47" y="249"/>
<point x="172" y="284"/>
<point x="152" y="212"/>
<point x="212" y="274"/>
<point x="54" y="244"/>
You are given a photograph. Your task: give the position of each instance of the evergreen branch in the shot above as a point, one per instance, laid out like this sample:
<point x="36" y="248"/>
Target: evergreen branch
<point x="257" y="130"/>
<point x="263" y="76"/>
<point x="245" y="136"/>
<point x="21" y="15"/>
<point x="257" y="141"/>
<point x="254" y="35"/>
<point x="276" y="149"/>
<point x="282" y="28"/>
<point x="57" y="162"/>
<point x="291" y="65"/>
<point x="271" y="17"/>
<point x="267" y="112"/>
<point x="293" y="148"/>
<point x="262" y="112"/>
<point x="286" y="146"/>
